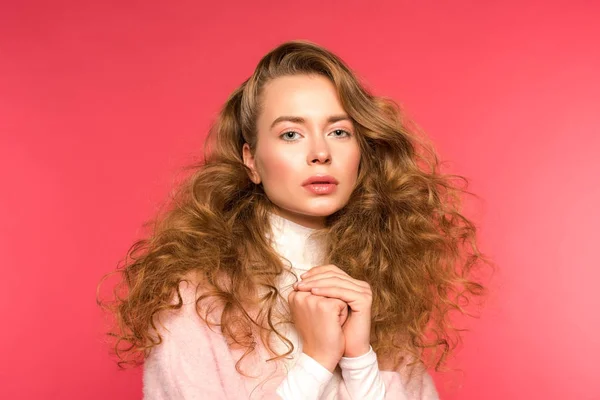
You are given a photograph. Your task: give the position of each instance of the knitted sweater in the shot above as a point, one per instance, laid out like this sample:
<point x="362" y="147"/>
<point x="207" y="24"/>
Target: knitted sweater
<point x="195" y="362"/>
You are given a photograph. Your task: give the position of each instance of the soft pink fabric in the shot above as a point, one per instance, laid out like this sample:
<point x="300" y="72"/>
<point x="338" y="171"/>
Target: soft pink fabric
<point x="193" y="362"/>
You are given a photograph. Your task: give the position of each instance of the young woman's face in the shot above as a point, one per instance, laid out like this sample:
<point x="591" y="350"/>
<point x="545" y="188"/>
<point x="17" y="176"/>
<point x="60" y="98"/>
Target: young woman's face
<point x="304" y="132"/>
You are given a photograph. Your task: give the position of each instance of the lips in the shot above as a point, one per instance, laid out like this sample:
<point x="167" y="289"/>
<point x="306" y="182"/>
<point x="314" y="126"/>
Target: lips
<point x="322" y="179"/>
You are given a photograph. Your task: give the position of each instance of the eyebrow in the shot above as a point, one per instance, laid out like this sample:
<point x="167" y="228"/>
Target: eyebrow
<point x="301" y="120"/>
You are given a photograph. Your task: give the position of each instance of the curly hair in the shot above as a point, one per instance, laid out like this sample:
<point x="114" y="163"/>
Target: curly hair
<point x="402" y="230"/>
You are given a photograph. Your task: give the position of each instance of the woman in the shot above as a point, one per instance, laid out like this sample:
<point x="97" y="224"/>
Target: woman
<point x="307" y="178"/>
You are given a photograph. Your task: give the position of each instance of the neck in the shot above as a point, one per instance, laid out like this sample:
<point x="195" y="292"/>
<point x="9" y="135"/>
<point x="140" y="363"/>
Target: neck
<point x="308" y="221"/>
<point x="294" y="242"/>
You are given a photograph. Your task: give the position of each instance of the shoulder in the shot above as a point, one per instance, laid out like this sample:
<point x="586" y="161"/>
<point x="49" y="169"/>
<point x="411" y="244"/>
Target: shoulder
<point x="415" y="379"/>
<point x="182" y="316"/>
<point x="192" y="360"/>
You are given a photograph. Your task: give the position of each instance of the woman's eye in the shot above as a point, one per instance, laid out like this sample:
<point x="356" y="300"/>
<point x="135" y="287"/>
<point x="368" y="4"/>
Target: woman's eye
<point x="286" y="135"/>
<point x="343" y="131"/>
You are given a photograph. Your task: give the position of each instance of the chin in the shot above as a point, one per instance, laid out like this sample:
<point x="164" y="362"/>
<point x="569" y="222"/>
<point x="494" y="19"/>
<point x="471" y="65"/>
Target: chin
<point x="315" y="207"/>
<point x="322" y="210"/>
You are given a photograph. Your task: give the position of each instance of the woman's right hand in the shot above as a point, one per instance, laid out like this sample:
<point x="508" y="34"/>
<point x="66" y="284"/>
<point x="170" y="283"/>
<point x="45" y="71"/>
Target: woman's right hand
<point x="319" y="322"/>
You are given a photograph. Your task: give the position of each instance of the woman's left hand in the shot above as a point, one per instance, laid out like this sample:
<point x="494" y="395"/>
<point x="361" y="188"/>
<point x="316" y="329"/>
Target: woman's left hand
<point x="330" y="281"/>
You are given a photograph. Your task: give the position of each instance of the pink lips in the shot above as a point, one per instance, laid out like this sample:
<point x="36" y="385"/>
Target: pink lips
<point x="320" y="184"/>
<point x="320" y="179"/>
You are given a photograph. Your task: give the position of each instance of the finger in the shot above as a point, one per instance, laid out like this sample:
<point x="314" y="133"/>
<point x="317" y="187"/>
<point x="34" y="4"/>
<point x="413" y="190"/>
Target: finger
<point x="335" y="281"/>
<point x="319" y="272"/>
<point x="325" y="275"/>
<point x="322" y="268"/>
<point x="297" y="296"/>
<point x="337" y="304"/>
<point x="312" y="273"/>
<point x="353" y="298"/>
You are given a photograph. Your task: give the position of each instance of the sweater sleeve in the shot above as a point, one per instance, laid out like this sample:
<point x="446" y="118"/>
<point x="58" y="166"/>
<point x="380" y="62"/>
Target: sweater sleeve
<point x="363" y="379"/>
<point x="195" y="362"/>
<point x="421" y="388"/>
<point x="361" y="376"/>
<point x="305" y="380"/>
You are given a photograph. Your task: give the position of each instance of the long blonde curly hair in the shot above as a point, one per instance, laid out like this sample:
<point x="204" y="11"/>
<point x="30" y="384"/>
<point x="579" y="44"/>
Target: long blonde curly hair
<point x="401" y="231"/>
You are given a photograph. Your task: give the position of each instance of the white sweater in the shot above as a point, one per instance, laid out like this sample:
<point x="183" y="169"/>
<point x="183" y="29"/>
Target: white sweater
<point x="195" y="362"/>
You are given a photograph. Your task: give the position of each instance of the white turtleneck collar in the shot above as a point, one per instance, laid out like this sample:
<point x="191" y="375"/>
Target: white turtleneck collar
<point x="294" y="242"/>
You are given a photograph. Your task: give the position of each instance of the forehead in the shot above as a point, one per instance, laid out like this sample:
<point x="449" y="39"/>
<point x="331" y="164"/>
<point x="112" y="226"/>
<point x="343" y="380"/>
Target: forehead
<point x="309" y="96"/>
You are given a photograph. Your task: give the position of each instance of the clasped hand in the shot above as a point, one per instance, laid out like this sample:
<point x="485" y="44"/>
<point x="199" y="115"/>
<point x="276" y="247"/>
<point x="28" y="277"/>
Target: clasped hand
<point x="329" y="296"/>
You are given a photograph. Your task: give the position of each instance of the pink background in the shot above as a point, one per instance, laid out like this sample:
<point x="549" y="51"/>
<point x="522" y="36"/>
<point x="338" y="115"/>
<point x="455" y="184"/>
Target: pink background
<point x="100" y="104"/>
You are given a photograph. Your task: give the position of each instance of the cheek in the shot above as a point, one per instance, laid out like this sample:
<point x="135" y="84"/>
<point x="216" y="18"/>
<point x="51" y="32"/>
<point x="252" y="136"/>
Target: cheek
<point x="353" y="162"/>
<point x="279" y="167"/>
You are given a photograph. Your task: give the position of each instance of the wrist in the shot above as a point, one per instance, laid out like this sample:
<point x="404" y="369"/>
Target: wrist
<point x="326" y="361"/>
<point x="357" y="352"/>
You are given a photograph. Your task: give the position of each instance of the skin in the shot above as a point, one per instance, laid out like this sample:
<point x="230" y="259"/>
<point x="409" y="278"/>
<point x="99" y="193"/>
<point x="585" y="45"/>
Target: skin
<point x="291" y="152"/>
<point x="331" y="311"/>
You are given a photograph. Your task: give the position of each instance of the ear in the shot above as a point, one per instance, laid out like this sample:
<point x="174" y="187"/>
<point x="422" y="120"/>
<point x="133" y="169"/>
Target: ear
<point x="249" y="162"/>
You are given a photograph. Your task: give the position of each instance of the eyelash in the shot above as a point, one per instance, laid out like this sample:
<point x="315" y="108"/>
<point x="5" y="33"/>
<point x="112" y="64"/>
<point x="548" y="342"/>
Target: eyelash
<point x="348" y="134"/>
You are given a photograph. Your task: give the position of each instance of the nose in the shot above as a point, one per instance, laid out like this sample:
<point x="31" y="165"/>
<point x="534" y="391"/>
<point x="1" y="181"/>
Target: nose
<point x="319" y="152"/>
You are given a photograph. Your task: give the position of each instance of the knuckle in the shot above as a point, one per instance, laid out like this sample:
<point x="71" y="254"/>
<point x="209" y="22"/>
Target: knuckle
<point x="324" y="304"/>
<point x="339" y="302"/>
<point x="302" y="295"/>
<point x="309" y="299"/>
